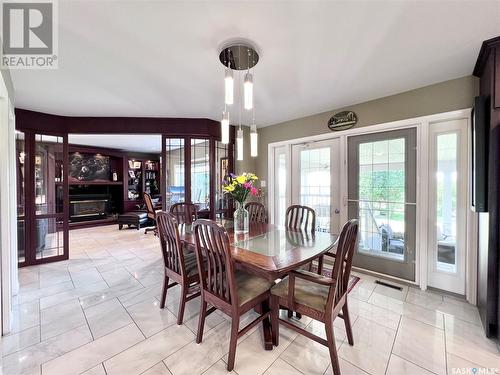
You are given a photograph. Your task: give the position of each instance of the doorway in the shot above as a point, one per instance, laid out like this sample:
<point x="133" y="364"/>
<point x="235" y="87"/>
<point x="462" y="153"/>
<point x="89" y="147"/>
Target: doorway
<point x="382" y="196"/>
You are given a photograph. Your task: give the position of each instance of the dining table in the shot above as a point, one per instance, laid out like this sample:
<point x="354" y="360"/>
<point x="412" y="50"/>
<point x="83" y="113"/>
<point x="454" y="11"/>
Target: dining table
<point x="269" y="251"/>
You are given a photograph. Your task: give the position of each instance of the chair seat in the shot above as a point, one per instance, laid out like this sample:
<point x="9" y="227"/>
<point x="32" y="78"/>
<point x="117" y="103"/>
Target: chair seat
<point x="307" y="293"/>
<point x="250" y="286"/>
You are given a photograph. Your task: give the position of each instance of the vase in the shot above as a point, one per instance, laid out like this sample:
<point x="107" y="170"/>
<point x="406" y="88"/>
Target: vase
<point x="241" y="219"/>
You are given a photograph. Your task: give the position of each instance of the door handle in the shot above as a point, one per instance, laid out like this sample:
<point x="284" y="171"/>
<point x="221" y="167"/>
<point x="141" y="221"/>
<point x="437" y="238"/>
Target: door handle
<point x="337" y="211"/>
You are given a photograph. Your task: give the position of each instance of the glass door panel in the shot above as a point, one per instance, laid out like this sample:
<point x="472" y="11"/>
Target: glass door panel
<point x="381" y="195"/>
<point x="200" y="174"/>
<point x="21" y="160"/>
<point x="49" y="232"/>
<point x="447" y="205"/>
<point x="316" y="185"/>
<point x="175" y="171"/>
<point x="221" y="172"/>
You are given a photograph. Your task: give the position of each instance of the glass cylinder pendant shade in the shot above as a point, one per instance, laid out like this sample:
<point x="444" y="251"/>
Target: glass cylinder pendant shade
<point x="239" y="144"/>
<point x="229" y="86"/>
<point x="248" y="88"/>
<point x="253" y="141"/>
<point x="224" y="127"/>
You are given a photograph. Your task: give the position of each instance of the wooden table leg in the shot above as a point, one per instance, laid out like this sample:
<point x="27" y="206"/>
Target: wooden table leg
<point x="266" y="326"/>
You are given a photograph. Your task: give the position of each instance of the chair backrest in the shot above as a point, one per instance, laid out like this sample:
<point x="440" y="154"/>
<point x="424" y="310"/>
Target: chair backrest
<point x="184" y="212"/>
<point x="171" y="248"/>
<point x="256" y="212"/>
<point x="149" y="206"/>
<point x="216" y="269"/>
<point x="343" y="259"/>
<point x="300" y="217"/>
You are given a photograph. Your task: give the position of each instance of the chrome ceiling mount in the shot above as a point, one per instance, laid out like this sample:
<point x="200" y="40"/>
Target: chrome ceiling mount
<point x="239" y="56"/>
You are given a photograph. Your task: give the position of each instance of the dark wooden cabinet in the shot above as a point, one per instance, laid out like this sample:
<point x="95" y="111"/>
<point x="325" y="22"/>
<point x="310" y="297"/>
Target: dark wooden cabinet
<point x="488" y="70"/>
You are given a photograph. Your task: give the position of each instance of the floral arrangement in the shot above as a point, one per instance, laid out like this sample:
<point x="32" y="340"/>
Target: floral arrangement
<point x="240" y="186"/>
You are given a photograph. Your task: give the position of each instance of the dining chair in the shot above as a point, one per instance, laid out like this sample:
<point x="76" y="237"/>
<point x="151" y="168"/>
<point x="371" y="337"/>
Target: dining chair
<point x="256" y="212"/>
<point x="184" y="212"/>
<point x="300" y="217"/>
<point x="151" y="212"/>
<point x="319" y="297"/>
<point x="232" y="291"/>
<point x="179" y="266"/>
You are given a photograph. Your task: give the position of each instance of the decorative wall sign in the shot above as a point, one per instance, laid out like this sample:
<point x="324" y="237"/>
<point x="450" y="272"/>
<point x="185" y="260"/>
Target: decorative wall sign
<point x="342" y="121"/>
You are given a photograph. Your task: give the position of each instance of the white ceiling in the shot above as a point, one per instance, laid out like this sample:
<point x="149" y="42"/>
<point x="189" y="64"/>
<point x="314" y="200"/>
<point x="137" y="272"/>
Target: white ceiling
<point x="160" y="58"/>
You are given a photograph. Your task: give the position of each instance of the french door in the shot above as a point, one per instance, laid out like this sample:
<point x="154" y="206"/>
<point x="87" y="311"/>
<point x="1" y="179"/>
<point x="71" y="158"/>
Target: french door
<point x="382" y="196"/>
<point x="315" y="182"/>
<point x="447" y="205"/>
<point x="43" y="214"/>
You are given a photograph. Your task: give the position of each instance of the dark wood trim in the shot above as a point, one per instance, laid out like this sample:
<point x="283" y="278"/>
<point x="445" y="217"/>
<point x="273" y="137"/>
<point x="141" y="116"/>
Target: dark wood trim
<point x="163" y="169"/>
<point x="213" y="173"/>
<point x="37" y="121"/>
<point x="484" y="52"/>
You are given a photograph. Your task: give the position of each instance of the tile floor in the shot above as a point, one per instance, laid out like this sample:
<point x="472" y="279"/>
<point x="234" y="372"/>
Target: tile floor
<point x="98" y="313"/>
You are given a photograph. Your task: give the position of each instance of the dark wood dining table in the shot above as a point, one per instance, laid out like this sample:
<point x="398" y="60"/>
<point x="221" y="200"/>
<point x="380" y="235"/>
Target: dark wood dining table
<point x="270" y="251"/>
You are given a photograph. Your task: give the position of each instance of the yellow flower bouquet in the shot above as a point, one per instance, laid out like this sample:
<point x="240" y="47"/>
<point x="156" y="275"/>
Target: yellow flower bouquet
<point x="238" y="187"/>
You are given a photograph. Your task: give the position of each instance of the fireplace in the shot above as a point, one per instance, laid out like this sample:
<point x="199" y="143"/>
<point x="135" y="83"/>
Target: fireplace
<point x="89" y="206"/>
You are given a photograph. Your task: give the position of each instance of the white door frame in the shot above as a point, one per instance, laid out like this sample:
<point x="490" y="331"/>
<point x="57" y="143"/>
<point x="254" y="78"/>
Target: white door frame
<point x="422" y="125"/>
<point x="8" y="208"/>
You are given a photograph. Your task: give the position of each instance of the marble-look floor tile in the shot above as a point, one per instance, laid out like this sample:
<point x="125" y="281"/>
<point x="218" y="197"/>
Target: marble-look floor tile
<point x="29" y="360"/>
<point x="61" y="318"/>
<point x="457" y="365"/>
<point x="145" y="354"/>
<point x="106" y="317"/>
<point x="98" y="370"/>
<point x="468" y="341"/>
<point x="400" y="366"/>
<point x="140" y="295"/>
<point x="116" y="276"/>
<point x="346" y="368"/>
<point x="280" y="367"/>
<point x="34" y="295"/>
<point x="158" y="369"/>
<point x="25" y="316"/>
<point x="432" y="317"/>
<point x="253" y="347"/>
<point x="72" y="294"/>
<point x="201" y="356"/>
<point x="219" y="368"/>
<point x="89" y="276"/>
<point x="421" y="344"/>
<point x="105" y="294"/>
<point x="211" y="321"/>
<point x="150" y="318"/>
<point x="52" y="277"/>
<point x="92" y="354"/>
<point x="374" y="313"/>
<point x="17" y="341"/>
<point x="372" y="346"/>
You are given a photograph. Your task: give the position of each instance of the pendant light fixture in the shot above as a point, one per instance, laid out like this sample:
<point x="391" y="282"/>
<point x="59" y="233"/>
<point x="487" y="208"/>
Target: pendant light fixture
<point x="225" y="127"/>
<point x="253" y="141"/>
<point x="238" y="58"/>
<point x="239" y="144"/>
<point x="248" y="88"/>
<point x="229" y="86"/>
